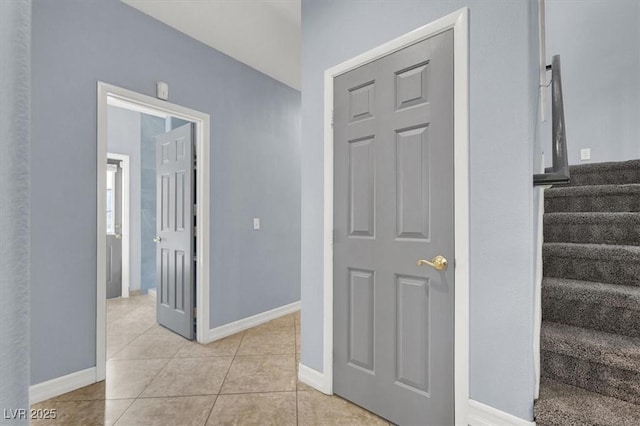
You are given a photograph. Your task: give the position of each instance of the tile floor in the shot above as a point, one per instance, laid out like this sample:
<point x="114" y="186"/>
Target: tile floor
<point x="155" y="377"/>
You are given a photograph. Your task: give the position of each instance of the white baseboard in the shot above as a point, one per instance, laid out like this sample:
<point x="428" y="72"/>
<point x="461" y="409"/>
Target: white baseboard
<point x="246" y="323"/>
<point x="152" y="292"/>
<point x="313" y="378"/>
<point x="60" y="385"/>
<point x="484" y="415"/>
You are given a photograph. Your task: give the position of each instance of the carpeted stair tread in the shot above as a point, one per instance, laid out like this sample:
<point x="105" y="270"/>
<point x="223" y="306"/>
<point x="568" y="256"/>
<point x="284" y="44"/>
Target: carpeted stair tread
<point x="604" y="379"/>
<point x="614" y="264"/>
<point x="620" y="173"/>
<point x="618" y="228"/>
<point x="577" y="191"/>
<point x="593" y="198"/>
<point x="590" y="345"/>
<point x="594" y="251"/>
<point x="611" y="308"/>
<point x="614" y="295"/>
<point x="563" y="405"/>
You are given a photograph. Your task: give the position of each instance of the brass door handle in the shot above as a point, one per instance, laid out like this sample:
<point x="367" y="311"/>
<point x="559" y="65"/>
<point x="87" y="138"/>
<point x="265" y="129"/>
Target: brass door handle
<point x="438" y="262"/>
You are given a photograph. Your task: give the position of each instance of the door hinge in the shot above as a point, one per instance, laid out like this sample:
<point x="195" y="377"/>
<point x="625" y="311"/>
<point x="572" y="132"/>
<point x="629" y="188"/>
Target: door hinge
<point x="333" y="115"/>
<point x="195" y="231"/>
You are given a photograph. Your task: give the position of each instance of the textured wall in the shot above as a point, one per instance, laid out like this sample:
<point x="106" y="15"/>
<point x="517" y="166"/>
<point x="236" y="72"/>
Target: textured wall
<point x="255" y="157"/>
<point x="599" y="43"/>
<point x="15" y="69"/>
<point x="503" y="103"/>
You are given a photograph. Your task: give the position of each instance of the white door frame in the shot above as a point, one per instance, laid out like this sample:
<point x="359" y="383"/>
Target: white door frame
<point x="142" y="102"/>
<point x="459" y="22"/>
<point x="126" y="217"/>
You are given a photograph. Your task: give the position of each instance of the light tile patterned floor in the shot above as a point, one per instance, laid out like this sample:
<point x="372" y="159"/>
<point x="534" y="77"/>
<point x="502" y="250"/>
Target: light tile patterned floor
<point x="155" y="377"/>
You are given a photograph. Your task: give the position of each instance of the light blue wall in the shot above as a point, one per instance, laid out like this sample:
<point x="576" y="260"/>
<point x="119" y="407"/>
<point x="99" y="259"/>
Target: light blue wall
<point x="15" y="116"/>
<point x="599" y="43"/>
<point x="503" y="106"/>
<point x="255" y="155"/>
<point x="150" y="127"/>
<point x="123" y="137"/>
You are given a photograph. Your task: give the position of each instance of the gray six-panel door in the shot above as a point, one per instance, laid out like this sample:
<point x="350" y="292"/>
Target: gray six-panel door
<point x="174" y="238"/>
<point x="114" y="230"/>
<point x="393" y="205"/>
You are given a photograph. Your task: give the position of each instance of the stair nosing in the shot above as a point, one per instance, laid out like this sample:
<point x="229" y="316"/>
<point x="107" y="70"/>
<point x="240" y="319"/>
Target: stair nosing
<point x="590" y="216"/>
<point x="581" y="190"/>
<point x="590" y="168"/>
<point x="593" y="250"/>
<point x="620" y="291"/>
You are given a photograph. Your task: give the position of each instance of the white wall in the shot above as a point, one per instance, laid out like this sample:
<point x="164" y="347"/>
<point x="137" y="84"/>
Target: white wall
<point x="599" y="45"/>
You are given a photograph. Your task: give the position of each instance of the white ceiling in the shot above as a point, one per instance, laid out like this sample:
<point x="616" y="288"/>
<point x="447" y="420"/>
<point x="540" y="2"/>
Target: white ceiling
<point x="264" y="34"/>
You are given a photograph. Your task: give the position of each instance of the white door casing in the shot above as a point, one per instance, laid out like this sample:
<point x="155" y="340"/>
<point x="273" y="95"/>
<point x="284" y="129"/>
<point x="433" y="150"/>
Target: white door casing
<point x="144" y="103"/>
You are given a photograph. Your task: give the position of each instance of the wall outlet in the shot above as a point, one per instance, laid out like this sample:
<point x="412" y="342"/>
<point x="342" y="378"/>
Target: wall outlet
<point x="585" y="154"/>
<point x="256" y="223"/>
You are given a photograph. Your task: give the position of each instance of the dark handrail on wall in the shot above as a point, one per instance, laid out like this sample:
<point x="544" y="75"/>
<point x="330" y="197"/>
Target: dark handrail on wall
<point x="559" y="172"/>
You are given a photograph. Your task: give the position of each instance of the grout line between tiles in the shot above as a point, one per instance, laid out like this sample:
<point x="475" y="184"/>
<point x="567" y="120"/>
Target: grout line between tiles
<point x="204" y="394"/>
<point x="257" y="392"/>
<point x="124" y="411"/>
<point x="225" y="376"/>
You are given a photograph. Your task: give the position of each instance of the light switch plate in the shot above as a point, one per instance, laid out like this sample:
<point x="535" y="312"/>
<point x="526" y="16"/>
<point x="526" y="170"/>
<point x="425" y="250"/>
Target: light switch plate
<point x="256" y="223"/>
<point x="585" y="154"/>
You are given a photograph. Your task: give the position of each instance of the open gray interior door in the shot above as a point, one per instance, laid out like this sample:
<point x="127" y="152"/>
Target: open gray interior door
<point x="175" y="223"/>
<point x="393" y="220"/>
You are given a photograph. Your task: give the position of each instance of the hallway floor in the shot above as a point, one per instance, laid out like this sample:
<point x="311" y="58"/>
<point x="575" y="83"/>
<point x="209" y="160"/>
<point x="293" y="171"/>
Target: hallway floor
<point x="155" y="377"/>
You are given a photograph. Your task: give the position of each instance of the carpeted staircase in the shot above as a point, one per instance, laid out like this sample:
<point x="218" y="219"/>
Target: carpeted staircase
<point x="590" y="338"/>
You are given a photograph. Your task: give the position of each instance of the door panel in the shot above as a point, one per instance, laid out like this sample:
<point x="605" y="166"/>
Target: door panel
<point x="114" y="232"/>
<point x="393" y="205"/>
<point x="175" y="222"/>
<point x="361" y="187"/>
<point x="361" y="307"/>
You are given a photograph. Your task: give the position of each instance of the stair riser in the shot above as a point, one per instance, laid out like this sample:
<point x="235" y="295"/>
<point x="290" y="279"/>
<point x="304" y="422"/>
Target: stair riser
<point x="609" y="177"/>
<point x="595" y="270"/>
<point x="594" y="316"/>
<point x="599" y="233"/>
<point x="605" y="380"/>
<point x="589" y="203"/>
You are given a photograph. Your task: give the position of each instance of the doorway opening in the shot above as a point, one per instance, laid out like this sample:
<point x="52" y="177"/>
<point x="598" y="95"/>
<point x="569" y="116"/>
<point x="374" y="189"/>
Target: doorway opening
<point x="152" y="219"/>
